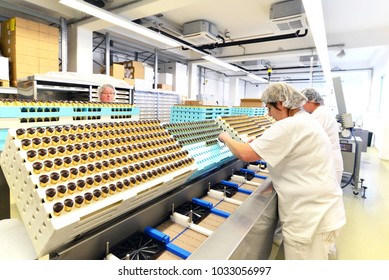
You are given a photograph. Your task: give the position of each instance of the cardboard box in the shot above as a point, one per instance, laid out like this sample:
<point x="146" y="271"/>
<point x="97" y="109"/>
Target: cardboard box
<point x="47" y="46"/>
<point x="46" y="37"/>
<point x="17" y="59"/>
<point x="193" y="102"/>
<point x="49" y="54"/>
<point x="131" y="82"/>
<point x="250" y="102"/>
<point x="165" y="87"/>
<point x="134" y="73"/>
<point x="133" y="63"/>
<point x="117" y="71"/>
<point x="17" y="22"/>
<point x="44" y="28"/>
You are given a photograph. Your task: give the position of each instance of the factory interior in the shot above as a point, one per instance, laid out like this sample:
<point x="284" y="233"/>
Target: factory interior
<point x="85" y="179"/>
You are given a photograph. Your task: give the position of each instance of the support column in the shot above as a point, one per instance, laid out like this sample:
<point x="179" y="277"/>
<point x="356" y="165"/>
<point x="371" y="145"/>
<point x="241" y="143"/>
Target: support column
<point x="80" y="50"/>
<point x="234" y="95"/>
<point x="194" y="76"/>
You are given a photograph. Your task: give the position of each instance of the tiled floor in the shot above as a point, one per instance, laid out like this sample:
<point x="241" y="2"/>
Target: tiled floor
<point x="366" y="234"/>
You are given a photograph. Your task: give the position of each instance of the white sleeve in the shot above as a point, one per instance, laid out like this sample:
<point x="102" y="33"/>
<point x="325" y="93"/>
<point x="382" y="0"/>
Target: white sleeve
<point x="274" y="144"/>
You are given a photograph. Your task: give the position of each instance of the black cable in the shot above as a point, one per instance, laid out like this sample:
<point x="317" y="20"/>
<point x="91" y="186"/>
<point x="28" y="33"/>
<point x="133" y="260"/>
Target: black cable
<point x="355" y="161"/>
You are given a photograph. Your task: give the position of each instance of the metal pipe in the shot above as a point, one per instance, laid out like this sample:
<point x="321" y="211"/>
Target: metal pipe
<point x="256" y="40"/>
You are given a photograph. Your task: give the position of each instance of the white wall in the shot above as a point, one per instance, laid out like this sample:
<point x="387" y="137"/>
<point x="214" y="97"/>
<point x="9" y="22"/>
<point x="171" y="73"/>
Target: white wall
<point x="377" y="119"/>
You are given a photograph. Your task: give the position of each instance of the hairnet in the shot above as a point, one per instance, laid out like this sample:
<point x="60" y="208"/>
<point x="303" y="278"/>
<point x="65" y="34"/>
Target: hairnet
<point x="290" y="97"/>
<point x="313" y="95"/>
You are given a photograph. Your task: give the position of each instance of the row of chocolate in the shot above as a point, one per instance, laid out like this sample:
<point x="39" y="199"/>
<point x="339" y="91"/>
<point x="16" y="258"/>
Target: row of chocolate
<point x="94" y="130"/>
<point x="59" y="103"/>
<point x="109" y="188"/>
<point x="115" y="166"/>
<point x="99" y="150"/>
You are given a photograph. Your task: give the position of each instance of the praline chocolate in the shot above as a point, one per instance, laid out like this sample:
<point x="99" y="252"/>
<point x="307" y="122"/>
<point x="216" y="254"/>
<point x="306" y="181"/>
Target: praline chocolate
<point x="105" y="164"/>
<point x="67" y="161"/>
<point x="31" y="132"/>
<point x="71" y="186"/>
<point x="76" y="159"/>
<point x="48" y="165"/>
<point x="49" y="131"/>
<point x="119" y="173"/>
<point x="68" y="204"/>
<point x="88" y="197"/>
<point x="126" y="183"/>
<point x="26" y="143"/>
<point x="78" y="147"/>
<point x="31" y="155"/>
<point x="61" y="190"/>
<point x="89" y="182"/>
<point x="50" y="193"/>
<point x="112" y="174"/>
<point x="97" y="179"/>
<point x="105" y="177"/>
<point x="79" y="199"/>
<point x="20" y="133"/>
<point x="57" y="208"/>
<point x="104" y="191"/>
<point x="58" y="162"/>
<point x="71" y="138"/>
<point x="96" y="194"/>
<point x="84" y="158"/>
<point x="43" y="180"/>
<point x="112" y="162"/>
<point x="82" y="170"/>
<point x="64" y="175"/>
<point x="90" y="167"/>
<point x="64" y="139"/>
<point x="54" y="177"/>
<point x="55" y="140"/>
<point x="138" y="179"/>
<point x="112" y="188"/>
<point x="80" y="185"/>
<point x="119" y="186"/>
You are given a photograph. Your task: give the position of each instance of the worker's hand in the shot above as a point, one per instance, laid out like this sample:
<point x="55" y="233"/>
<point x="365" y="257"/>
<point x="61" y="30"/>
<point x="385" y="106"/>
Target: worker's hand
<point x="223" y="136"/>
<point x="251" y="139"/>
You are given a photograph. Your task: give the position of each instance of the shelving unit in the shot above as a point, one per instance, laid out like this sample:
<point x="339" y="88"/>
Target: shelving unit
<point x="155" y="104"/>
<point x="40" y="87"/>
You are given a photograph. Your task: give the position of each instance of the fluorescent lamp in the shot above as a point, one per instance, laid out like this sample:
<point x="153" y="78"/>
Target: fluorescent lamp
<point x="118" y="20"/>
<point x="221" y="63"/>
<point x="314" y="12"/>
<point x="255" y="77"/>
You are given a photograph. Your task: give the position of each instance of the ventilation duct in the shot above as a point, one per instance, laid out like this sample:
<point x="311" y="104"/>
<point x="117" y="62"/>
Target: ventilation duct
<point x="200" y="32"/>
<point x="287" y="16"/>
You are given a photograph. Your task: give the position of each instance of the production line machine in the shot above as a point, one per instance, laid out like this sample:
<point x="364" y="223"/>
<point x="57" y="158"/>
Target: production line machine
<point x="84" y="189"/>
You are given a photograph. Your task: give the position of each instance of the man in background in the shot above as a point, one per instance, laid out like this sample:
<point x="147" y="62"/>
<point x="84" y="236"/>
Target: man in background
<point x="315" y="106"/>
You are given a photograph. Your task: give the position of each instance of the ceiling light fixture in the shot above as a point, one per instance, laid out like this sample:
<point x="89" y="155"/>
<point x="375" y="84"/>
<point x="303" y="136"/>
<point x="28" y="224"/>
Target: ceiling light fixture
<point x="221" y="63"/>
<point x="314" y="12"/>
<point x="118" y="20"/>
<point x="255" y="77"/>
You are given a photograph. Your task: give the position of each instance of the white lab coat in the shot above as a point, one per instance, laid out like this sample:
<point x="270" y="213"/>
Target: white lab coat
<point x="327" y="120"/>
<point x="300" y="162"/>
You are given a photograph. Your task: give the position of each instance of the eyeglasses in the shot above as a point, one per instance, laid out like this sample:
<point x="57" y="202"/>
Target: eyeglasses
<point x="107" y="93"/>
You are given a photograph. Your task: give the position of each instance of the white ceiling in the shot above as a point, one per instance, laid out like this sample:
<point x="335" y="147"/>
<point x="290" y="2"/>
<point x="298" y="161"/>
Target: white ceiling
<point x="358" y="27"/>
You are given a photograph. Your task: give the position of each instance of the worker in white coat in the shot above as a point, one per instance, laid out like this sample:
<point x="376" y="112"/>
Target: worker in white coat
<point x="299" y="158"/>
<point x="315" y="106"/>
